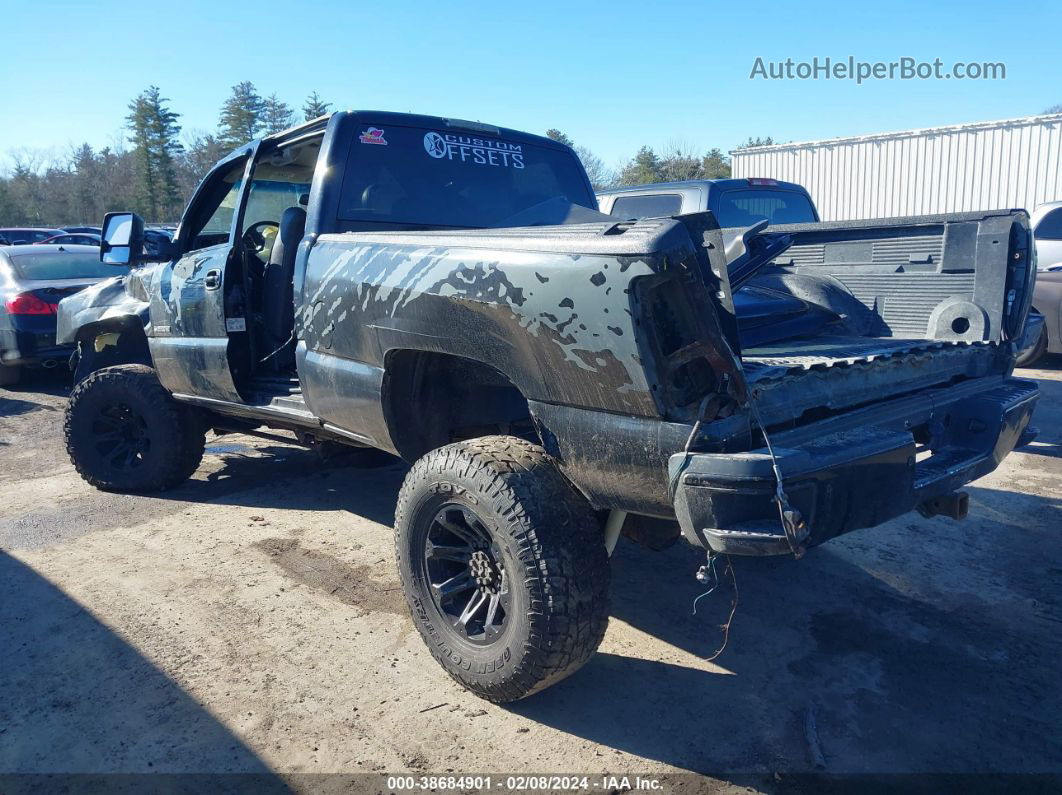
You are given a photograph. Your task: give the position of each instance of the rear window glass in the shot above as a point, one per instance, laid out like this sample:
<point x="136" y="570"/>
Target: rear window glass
<point x="651" y="206"/>
<point x="61" y="265"/>
<point x="747" y="207"/>
<point x="407" y="175"/>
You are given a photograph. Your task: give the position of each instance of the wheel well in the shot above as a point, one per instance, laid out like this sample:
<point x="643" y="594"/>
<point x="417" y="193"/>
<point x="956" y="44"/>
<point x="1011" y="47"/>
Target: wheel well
<point x="432" y="399"/>
<point x="120" y="341"/>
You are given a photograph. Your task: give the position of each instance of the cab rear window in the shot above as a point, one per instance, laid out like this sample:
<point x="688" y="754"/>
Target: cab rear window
<point x="739" y="208"/>
<point x="649" y="205"/>
<point x="442" y="178"/>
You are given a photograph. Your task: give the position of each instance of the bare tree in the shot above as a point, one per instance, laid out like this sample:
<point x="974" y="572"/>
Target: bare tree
<point x="678" y="163"/>
<point x="601" y="176"/>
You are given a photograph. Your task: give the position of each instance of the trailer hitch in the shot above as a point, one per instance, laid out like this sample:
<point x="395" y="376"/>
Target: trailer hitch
<point x="955" y="506"/>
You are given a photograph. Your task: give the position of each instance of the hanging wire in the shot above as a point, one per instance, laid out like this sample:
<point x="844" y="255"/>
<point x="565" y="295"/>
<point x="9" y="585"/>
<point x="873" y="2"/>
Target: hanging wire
<point x="791" y="519"/>
<point x="733" y="609"/>
<point x="711" y="576"/>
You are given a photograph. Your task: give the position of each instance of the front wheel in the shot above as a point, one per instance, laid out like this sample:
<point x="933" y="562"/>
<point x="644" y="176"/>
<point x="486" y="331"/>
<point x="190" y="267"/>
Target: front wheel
<point x="125" y="433"/>
<point x="503" y="565"/>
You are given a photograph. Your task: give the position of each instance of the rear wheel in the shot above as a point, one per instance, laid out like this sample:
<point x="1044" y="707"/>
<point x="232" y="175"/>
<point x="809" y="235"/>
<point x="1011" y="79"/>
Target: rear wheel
<point x="503" y="565"/>
<point x="125" y="433"/>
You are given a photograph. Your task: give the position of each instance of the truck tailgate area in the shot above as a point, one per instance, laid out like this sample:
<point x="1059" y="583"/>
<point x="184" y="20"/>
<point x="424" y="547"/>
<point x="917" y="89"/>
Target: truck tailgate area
<point x="856" y="469"/>
<point x="794" y="381"/>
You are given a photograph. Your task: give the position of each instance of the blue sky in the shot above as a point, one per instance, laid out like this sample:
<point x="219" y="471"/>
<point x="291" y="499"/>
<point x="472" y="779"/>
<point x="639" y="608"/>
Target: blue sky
<point x="612" y="75"/>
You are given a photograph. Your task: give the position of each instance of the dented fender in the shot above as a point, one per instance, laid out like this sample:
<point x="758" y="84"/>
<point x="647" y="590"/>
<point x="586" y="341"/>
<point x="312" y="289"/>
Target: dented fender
<point x="120" y="300"/>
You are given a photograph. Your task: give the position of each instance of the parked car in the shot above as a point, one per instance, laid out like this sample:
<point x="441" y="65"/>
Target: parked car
<point x="1045" y="332"/>
<point x="734" y="202"/>
<point x="91" y="230"/>
<point x="155" y="239"/>
<point x="33" y="280"/>
<point x="1047" y="306"/>
<point x="1047" y="229"/>
<point x="20" y="236"/>
<point x="445" y="291"/>
<point x="73" y="239"/>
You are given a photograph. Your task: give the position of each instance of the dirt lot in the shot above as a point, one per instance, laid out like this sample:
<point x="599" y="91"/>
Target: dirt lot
<point x="251" y="620"/>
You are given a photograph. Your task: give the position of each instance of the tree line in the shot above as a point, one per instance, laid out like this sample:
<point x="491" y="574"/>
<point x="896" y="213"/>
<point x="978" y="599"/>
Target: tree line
<point x="674" y="163"/>
<point x="155" y="165"/>
<point x="154" y="175"/>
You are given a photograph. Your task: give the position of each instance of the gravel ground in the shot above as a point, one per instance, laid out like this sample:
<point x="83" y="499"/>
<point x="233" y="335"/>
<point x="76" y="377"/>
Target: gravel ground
<point x="250" y="621"/>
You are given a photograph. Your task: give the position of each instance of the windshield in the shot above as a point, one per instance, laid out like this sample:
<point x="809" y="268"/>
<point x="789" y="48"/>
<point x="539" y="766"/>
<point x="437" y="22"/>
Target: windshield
<point x="740" y="208"/>
<point x="406" y="175"/>
<point x="61" y="265"/>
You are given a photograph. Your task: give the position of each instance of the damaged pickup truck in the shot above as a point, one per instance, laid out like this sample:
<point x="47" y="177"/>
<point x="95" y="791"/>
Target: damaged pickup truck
<point x="447" y="292"/>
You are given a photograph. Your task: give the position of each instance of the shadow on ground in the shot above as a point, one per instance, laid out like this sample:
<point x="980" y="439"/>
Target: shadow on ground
<point x="839" y="662"/>
<point x="921" y="645"/>
<point x="55" y="382"/>
<point x="278" y="476"/>
<point x="75" y="697"/>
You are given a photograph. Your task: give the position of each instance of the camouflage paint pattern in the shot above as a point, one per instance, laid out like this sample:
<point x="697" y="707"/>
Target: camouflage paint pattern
<point x="558" y="325"/>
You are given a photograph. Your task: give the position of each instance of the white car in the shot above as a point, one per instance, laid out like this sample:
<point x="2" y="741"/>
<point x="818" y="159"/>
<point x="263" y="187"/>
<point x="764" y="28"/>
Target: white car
<point x="1047" y="229"/>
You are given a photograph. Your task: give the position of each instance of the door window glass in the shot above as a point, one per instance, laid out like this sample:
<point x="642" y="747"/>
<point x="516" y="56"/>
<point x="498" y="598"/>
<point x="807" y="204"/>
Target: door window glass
<point x="208" y="221"/>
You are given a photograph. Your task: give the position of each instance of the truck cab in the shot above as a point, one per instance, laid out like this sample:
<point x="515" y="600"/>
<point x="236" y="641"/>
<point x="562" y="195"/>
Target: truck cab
<point x="735" y="203"/>
<point x="221" y="305"/>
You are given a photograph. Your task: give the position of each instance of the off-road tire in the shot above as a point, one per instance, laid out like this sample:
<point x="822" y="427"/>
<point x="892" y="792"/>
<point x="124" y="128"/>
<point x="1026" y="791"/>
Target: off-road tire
<point x="1030" y="357"/>
<point x="9" y="375"/>
<point x="174" y="432"/>
<point x="550" y="541"/>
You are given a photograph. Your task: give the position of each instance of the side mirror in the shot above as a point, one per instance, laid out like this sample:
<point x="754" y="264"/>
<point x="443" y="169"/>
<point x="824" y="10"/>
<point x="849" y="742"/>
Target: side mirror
<point x="123" y="239"/>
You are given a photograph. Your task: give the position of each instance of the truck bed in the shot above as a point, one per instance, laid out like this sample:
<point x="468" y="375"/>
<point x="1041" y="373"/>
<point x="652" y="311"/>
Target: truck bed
<point x="872" y="310"/>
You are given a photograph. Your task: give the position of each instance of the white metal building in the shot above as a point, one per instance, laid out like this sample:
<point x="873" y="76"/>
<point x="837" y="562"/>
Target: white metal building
<point x="980" y="166"/>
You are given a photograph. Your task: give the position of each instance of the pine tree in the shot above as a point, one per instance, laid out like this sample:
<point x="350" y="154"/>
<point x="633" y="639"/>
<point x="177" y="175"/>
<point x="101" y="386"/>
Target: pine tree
<point x="241" y="117"/>
<point x="644" y="168"/>
<point x="277" y="115"/>
<point x="556" y="135"/>
<point x="314" y="107"/>
<point x="86" y="185"/>
<point x="715" y="164"/>
<point x="757" y="141"/>
<point x="154" y="130"/>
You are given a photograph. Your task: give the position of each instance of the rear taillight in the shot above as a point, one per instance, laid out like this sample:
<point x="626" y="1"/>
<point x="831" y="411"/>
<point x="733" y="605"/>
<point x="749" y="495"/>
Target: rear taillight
<point x="29" y="304"/>
<point x="762" y="181"/>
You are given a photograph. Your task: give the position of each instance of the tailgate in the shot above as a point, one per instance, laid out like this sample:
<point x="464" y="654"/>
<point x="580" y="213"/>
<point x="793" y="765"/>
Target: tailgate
<point x="962" y="277"/>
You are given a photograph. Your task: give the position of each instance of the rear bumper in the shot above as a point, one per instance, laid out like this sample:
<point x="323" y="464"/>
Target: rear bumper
<point x="856" y="470"/>
<point x="31" y="344"/>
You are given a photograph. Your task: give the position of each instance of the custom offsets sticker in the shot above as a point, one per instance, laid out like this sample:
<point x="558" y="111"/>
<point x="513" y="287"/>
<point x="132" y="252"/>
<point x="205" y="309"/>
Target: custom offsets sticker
<point x="477" y="151"/>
